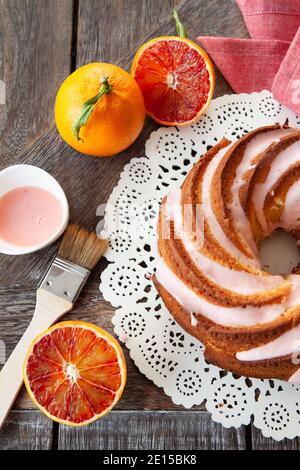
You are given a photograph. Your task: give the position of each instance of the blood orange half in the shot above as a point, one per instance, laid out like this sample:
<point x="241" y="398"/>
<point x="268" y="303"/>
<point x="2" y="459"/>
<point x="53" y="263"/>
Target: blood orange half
<point x="75" y="372"/>
<point x="176" y="77"/>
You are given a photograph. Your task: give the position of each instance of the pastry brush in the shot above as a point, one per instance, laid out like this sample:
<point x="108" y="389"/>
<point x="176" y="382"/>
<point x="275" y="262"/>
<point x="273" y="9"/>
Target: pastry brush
<point x="78" y="254"/>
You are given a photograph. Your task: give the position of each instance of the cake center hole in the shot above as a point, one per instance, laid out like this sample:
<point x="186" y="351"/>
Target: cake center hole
<point x="279" y="253"/>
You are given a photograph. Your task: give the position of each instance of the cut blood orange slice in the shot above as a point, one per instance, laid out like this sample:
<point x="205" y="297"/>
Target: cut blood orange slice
<point x="75" y="372"/>
<point x="176" y="77"/>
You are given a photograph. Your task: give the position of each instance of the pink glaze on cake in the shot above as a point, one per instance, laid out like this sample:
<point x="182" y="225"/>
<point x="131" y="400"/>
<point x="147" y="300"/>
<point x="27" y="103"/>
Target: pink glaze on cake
<point x="290" y="217"/>
<point x="200" y="277"/>
<point x="282" y="162"/>
<point x="287" y="343"/>
<point x="295" y="378"/>
<point x="29" y="216"/>
<point x="238" y="281"/>
<point x="227" y="316"/>
<point x="257" y="145"/>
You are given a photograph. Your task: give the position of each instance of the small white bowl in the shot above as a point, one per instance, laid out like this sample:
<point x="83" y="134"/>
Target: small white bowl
<point x="28" y="175"/>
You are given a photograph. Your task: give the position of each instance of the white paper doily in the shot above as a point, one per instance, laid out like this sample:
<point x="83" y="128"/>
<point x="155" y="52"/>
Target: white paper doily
<point x="161" y="349"/>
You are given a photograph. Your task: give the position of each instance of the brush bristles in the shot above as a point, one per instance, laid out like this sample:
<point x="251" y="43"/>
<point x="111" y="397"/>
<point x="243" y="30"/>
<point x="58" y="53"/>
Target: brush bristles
<point x="82" y="247"/>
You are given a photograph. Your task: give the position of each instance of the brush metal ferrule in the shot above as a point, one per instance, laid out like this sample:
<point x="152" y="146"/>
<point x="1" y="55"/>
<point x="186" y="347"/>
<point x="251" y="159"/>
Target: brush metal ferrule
<point x="65" y="279"/>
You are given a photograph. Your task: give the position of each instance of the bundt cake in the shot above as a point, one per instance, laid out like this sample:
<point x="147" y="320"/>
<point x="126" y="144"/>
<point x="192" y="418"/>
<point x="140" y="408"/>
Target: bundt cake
<point x="209" y="272"/>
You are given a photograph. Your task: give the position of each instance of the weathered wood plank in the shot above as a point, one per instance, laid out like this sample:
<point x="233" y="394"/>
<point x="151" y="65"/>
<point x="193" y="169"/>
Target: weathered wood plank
<point x="259" y="442"/>
<point x="26" y="430"/>
<point x="109" y="29"/>
<point x="154" y="430"/>
<point x="35" y="51"/>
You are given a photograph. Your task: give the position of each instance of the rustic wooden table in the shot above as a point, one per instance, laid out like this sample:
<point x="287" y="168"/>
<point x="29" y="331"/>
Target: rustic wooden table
<point x="41" y="42"/>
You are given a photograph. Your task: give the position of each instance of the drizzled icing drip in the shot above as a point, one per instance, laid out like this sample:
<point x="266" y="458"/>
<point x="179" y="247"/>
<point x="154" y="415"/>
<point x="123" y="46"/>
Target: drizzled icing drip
<point x="194" y="320"/>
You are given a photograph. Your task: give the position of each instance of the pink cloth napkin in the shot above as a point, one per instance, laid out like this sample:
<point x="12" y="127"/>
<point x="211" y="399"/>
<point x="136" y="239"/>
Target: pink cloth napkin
<point x="271" y="59"/>
<point x="286" y="85"/>
<point x="271" y="19"/>
<point x="247" y="64"/>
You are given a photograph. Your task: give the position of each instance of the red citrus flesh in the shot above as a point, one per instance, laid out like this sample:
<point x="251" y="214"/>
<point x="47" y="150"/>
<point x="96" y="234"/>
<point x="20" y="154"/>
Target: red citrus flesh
<point x="176" y="78"/>
<point x="75" y="373"/>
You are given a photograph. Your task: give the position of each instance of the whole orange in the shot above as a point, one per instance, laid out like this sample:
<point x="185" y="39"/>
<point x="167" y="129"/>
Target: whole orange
<point x="99" y="109"/>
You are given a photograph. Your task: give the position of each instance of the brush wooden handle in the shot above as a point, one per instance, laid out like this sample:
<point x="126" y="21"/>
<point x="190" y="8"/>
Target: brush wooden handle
<point x="49" y="308"/>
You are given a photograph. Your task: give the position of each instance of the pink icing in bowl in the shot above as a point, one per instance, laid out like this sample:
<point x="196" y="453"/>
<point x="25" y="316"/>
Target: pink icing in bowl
<point x="34" y="210"/>
<point x="29" y="216"/>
